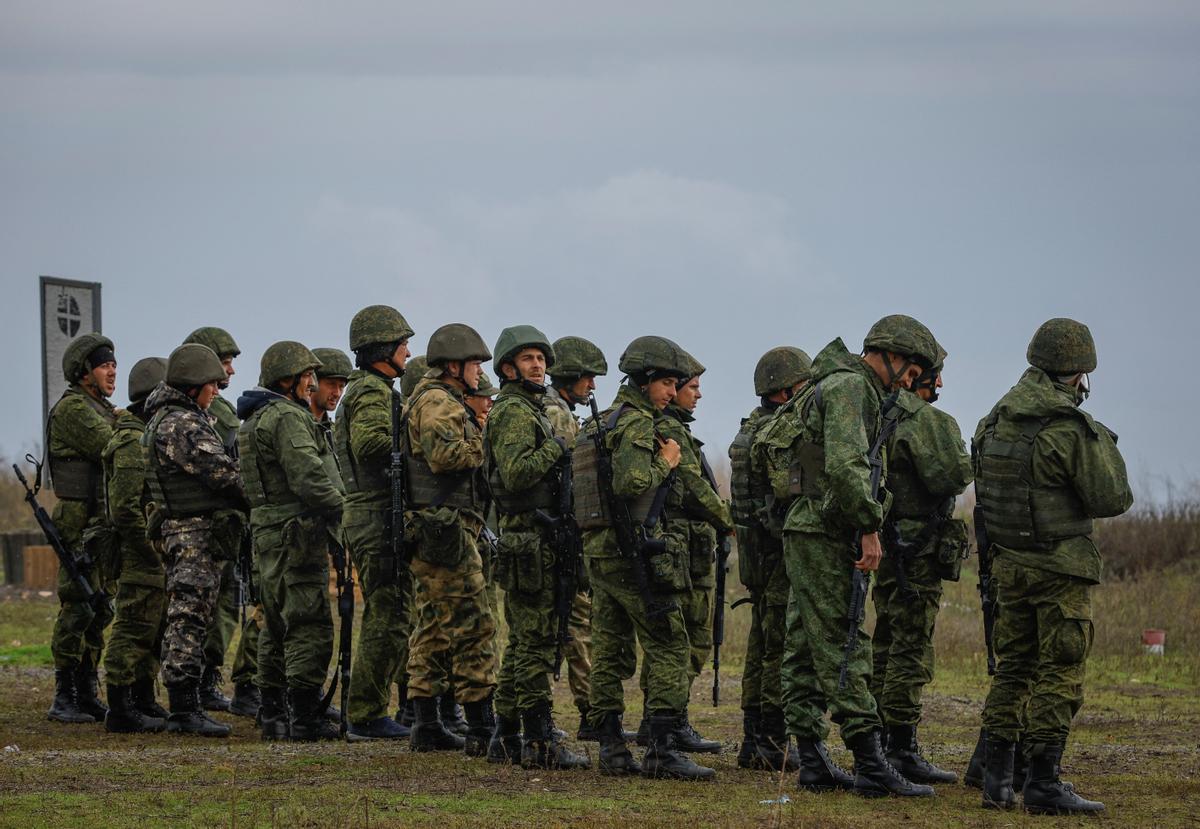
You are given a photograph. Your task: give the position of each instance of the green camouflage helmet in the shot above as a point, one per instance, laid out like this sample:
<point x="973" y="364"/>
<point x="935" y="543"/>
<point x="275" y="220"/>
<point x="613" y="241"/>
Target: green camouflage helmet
<point x="414" y="370"/>
<point x="456" y="341"/>
<point x="193" y="364"/>
<point x="334" y="363"/>
<point x="74" y="360"/>
<point x="484" y="387"/>
<point x="284" y="359"/>
<point x="652" y="355"/>
<point x="575" y="357"/>
<point x="1062" y="346"/>
<point x="695" y="367"/>
<point x="781" y="368"/>
<point x="517" y="337"/>
<point x="377" y="324"/>
<point x="146" y="373"/>
<point x="218" y="339"/>
<point x="901" y="334"/>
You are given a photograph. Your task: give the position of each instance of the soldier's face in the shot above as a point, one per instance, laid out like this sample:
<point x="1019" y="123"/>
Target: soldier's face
<point x="926" y="394"/>
<point x="661" y="391"/>
<point x="531" y="363"/>
<point x="227" y="364"/>
<point x="103" y="378"/>
<point x="304" y="384"/>
<point x="328" y="393"/>
<point x="401" y="354"/>
<point x="688" y="395"/>
<point x="583" y="387"/>
<point x="480" y="405"/>
<point x="470" y="373"/>
<point x="205" y="396"/>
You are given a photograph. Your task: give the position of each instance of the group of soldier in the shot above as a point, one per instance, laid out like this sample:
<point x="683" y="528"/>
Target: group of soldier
<point x="603" y="538"/>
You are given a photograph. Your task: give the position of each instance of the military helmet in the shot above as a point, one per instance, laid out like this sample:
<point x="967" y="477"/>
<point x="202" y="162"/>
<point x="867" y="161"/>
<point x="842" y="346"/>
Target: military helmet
<point x="1062" y="346"/>
<point x="651" y="355"/>
<point x="218" y="339"/>
<point x="414" y="370"/>
<point x="695" y="367"/>
<point x="146" y="373"/>
<point x="781" y="368"/>
<point x="456" y="341"/>
<point x="517" y="337"/>
<point x="74" y="360"/>
<point x="484" y="387"/>
<point x="901" y="334"/>
<point x="575" y="357"/>
<point x="193" y="364"/>
<point x="378" y="324"/>
<point x="283" y="359"/>
<point x="334" y="363"/>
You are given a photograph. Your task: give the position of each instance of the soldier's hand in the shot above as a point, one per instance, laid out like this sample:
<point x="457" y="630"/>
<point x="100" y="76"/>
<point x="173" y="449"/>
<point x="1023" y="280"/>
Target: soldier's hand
<point x="669" y="451"/>
<point x="872" y="552"/>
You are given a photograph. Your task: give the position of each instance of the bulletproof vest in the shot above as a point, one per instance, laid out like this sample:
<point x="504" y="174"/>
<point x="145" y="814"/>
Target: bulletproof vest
<point x="358" y="475"/>
<point x="591" y="510"/>
<point x="742" y="502"/>
<point x="426" y="488"/>
<point x="542" y="494"/>
<point x="178" y="494"/>
<point x="77" y="479"/>
<point x="265" y="484"/>
<point x="1017" y="512"/>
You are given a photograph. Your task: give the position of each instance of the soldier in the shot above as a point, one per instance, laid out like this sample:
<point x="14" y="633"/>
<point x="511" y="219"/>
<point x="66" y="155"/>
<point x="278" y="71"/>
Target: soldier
<point x="695" y="516"/>
<point x="525" y="463"/>
<point x="362" y="436"/>
<point x="817" y="452"/>
<point x="131" y="662"/>
<point x="79" y="429"/>
<point x="331" y="380"/>
<point x="577" y="364"/>
<point x="642" y="464"/>
<point x="928" y="467"/>
<point x="779" y="375"/>
<point x="1044" y="469"/>
<point x="296" y="499"/>
<point x="200" y="517"/>
<point x="225" y="620"/>
<point x="452" y="641"/>
<point x="481" y="400"/>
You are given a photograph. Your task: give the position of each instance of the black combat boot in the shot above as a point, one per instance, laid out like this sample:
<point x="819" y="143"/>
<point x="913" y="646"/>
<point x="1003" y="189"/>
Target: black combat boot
<point x="211" y="697"/>
<point x="689" y="740"/>
<point x="1020" y="766"/>
<point x="333" y="714"/>
<point x="663" y="758"/>
<point x="587" y="732"/>
<point x="65" y="707"/>
<point x="505" y="744"/>
<point x="615" y="757"/>
<point x="874" y="775"/>
<point x="772" y="740"/>
<point x="974" y="774"/>
<point x="246" y="700"/>
<point x="306" y="720"/>
<point x="123" y="716"/>
<point x="405" y="715"/>
<point x="1046" y="794"/>
<point x="541" y="748"/>
<point x="818" y="772"/>
<point x="905" y="756"/>
<point x="748" y="751"/>
<point x="380" y="728"/>
<point x="428" y="733"/>
<point x="451" y="714"/>
<point x="272" y="717"/>
<point x="998" y="774"/>
<point x="87" y="682"/>
<point x="187" y="717"/>
<point x="481" y="722"/>
<point x="143" y="698"/>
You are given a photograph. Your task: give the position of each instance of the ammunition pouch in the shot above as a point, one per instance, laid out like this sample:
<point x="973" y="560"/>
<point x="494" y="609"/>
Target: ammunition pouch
<point x="428" y="489"/>
<point x="521" y="559"/>
<point x="667" y="563"/>
<point x="228" y="533"/>
<point x="76" y="479"/>
<point x="702" y="547"/>
<point x="438" y="536"/>
<point x="805" y="470"/>
<point x="952" y="548"/>
<point x="539" y="496"/>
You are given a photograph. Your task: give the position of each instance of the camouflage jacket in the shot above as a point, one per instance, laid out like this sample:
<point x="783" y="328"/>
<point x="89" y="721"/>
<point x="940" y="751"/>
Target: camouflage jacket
<point x="521" y="450"/>
<point x="225" y="421"/>
<point x="79" y="428"/>
<point x="126" y="500"/>
<point x="562" y="418"/>
<point x="362" y="436"/>
<point x="1072" y="451"/>
<point x="694" y="495"/>
<point x="442" y="431"/>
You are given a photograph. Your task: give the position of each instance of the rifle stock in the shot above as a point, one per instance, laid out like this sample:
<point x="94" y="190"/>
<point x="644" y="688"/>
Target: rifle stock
<point x="718" y="635"/>
<point x="986" y="599"/>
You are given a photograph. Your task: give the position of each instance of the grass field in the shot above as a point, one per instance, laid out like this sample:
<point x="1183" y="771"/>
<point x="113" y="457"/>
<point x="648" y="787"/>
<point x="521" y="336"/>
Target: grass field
<point x="1136" y="745"/>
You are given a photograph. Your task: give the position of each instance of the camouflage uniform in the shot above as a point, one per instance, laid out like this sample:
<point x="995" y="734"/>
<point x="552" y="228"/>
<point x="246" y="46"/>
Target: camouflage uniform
<point x="226" y="616"/>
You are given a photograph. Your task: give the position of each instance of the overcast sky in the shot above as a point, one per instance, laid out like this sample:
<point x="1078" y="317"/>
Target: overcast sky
<point x="734" y="176"/>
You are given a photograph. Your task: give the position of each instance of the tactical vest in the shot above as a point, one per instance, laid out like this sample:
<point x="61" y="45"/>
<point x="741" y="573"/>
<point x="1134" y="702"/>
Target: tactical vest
<point x="742" y="504"/>
<point x="808" y="456"/>
<point x="357" y="475"/>
<point x="77" y="479"/>
<point x="1017" y="512"/>
<point x="539" y="496"/>
<point x="178" y="494"/>
<point x="591" y="510"/>
<point x="264" y="485"/>
<point x="427" y="488"/>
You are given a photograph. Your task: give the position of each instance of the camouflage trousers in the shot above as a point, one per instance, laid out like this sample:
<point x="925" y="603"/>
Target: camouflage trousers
<point x="381" y="656"/>
<point x="819" y="568"/>
<point x="226" y="619"/>
<point x="902" y="645"/>
<point x="135" y="639"/>
<point x="578" y="653"/>
<point x="193" y="585"/>
<point x="245" y="657"/>
<point x="293" y="560"/>
<point x="1043" y="636"/>
<point x="761" y="687"/>
<point x="78" y="629"/>
<point x="696" y="607"/>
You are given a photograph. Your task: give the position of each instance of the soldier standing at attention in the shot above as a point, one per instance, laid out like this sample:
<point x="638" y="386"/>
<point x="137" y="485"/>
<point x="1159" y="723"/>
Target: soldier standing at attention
<point x="577" y="364"/>
<point x="362" y="436"/>
<point x="525" y="462"/>
<point x="928" y="467"/>
<point x="296" y="500"/>
<point x="779" y="375"/>
<point x="79" y="428"/>
<point x="452" y="644"/>
<point x="197" y="491"/>
<point x="225" y="620"/>
<point x="131" y="662"/>
<point x="1044" y="469"/>
<point x="331" y="380"/>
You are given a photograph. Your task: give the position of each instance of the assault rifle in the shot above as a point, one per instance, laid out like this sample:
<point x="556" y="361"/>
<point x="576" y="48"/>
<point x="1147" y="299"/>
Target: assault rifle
<point x="860" y="580"/>
<point x="568" y="557"/>
<point x="718" y="634"/>
<point x="398" y="476"/>
<point x="634" y="540"/>
<point x="986" y="596"/>
<point x="77" y="567"/>
<point x="344" y="576"/>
